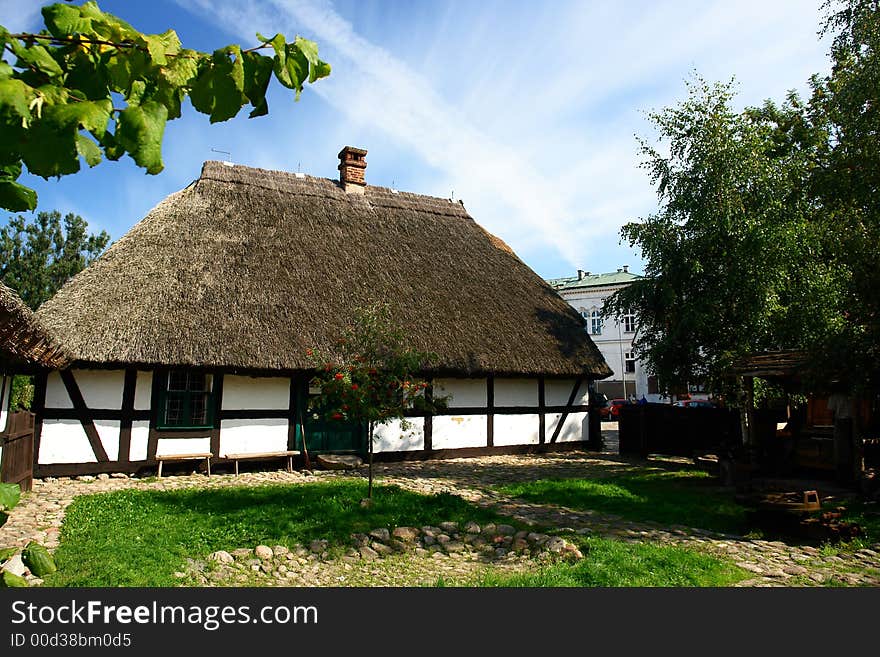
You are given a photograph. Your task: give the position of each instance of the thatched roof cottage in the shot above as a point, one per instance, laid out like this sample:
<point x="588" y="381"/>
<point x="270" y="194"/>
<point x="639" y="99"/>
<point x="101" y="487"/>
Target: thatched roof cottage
<point x="190" y="333"/>
<point x="25" y="346"/>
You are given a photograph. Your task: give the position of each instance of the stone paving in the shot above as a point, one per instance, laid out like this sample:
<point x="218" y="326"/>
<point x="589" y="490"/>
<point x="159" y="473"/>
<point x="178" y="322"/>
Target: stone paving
<point x="773" y="563"/>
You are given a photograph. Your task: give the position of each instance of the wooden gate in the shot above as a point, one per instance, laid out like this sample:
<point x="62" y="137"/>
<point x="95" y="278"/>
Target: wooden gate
<point x="17" y="466"/>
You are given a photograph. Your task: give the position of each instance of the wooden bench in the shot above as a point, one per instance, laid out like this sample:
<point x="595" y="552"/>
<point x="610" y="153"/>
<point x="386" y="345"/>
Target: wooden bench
<point x="184" y="457"/>
<point x="288" y="454"/>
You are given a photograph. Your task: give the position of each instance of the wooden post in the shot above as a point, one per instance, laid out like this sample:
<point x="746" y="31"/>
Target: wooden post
<point x="747" y="416"/>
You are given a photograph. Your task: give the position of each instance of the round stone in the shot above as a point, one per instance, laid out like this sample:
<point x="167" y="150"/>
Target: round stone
<point x="263" y="552"/>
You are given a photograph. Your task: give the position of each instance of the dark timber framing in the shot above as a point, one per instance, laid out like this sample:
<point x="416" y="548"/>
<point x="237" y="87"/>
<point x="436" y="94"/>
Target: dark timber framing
<point x="542" y="412"/>
<point x="291" y="413"/>
<point x="37" y="406"/>
<point x="85" y="419"/>
<point x="217" y="399"/>
<point x="127" y="415"/>
<point x="155" y="394"/>
<point x="489" y="410"/>
<point x="428" y="443"/>
<point x="568" y="406"/>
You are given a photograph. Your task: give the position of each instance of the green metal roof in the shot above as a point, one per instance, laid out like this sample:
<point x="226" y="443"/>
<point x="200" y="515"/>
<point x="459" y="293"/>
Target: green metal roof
<point x="593" y="280"/>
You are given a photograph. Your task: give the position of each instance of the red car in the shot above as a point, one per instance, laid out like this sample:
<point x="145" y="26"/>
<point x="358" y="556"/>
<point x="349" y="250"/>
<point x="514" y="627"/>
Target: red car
<point x="612" y="410"/>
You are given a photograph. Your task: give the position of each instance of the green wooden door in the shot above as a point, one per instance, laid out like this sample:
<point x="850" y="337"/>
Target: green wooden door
<point x="325" y="436"/>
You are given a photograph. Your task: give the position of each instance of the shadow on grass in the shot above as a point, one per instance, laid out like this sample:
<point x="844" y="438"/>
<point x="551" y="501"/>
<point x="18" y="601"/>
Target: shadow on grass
<point x="686" y="498"/>
<point x="140" y="538"/>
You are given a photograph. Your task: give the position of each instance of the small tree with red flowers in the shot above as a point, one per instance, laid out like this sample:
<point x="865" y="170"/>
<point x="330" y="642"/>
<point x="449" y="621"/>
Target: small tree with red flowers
<point x="372" y="376"/>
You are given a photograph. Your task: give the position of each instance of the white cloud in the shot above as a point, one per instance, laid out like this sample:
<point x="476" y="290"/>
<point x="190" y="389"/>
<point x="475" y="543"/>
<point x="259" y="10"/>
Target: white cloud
<point x="531" y="120"/>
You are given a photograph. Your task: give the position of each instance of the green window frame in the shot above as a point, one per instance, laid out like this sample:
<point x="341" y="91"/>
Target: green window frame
<point x="186" y="400"/>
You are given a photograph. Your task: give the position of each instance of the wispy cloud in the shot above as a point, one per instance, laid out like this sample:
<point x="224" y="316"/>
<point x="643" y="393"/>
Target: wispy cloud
<point x="532" y="122"/>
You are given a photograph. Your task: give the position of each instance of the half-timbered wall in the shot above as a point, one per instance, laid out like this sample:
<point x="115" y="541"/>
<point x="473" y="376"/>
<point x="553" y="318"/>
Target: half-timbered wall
<point x="105" y="420"/>
<point x="5" y="392"/>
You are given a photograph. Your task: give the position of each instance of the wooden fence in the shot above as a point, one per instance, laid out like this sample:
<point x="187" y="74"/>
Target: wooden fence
<point x="663" y="429"/>
<point x="17" y="465"/>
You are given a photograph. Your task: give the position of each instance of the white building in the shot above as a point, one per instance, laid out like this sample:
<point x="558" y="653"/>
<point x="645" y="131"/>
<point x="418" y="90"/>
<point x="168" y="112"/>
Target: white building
<point x="587" y="292"/>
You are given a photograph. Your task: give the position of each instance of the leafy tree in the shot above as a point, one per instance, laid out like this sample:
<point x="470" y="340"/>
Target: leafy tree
<point x="61" y="89"/>
<point x="768" y="226"/>
<point x="372" y="376"/>
<point x="38" y="257"/>
<point x="846" y="185"/>
<point x="732" y="256"/>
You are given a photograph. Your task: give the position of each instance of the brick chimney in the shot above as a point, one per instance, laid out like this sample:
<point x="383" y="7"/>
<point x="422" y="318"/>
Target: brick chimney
<point x="352" y="163"/>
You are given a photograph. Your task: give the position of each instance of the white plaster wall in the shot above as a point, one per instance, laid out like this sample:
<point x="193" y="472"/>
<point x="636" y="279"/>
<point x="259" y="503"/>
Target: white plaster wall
<point x="6" y="383"/>
<point x="252" y="436"/>
<point x="100" y="389"/>
<point x="516" y="430"/>
<point x="108" y="432"/>
<point x="246" y="392"/>
<point x="450" y="431"/>
<point x="576" y="427"/>
<point x="56" y="393"/>
<point x="556" y="392"/>
<point x="171" y="446"/>
<point x="140" y="436"/>
<point x="143" y="391"/>
<point x="64" y="441"/>
<point x="392" y="437"/>
<point x="516" y="392"/>
<point x="465" y="392"/>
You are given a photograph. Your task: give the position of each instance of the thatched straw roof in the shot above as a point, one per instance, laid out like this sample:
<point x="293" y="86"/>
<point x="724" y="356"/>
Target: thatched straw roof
<point x="772" y="364"/>
<point x="23" y="340"/>
<point x="248" y="268"/>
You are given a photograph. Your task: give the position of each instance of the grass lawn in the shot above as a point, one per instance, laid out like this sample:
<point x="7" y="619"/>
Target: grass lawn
<point x="687" y="497"/>
<point x="140" y="538"/>
<point x="614" y="563"/>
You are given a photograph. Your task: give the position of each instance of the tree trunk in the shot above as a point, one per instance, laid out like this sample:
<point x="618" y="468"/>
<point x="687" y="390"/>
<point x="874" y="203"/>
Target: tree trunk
<point x="370" y="446"/>
<point x="302" y="429"/>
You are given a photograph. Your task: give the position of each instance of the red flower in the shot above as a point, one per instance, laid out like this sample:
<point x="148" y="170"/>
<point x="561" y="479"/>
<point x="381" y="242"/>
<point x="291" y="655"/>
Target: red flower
<point x="339" y="376"/>
<point x="309" y="352"/>
<point x="337" y="416"/>
<point x="354" y="386"/>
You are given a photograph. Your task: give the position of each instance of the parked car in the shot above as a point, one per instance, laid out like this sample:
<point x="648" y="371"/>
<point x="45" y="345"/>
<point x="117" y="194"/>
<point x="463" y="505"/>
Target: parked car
<point x="694" y="403"/>
<point x="614" y="408"/>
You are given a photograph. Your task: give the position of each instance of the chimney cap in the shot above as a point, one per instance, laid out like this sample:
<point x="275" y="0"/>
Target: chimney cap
<point x="626" y="268"/>
<point x="351" y="149"/>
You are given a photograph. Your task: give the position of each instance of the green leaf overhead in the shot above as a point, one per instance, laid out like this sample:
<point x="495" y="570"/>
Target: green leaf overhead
<point x="9" y="496"/>
<point x="65" y="20"/>
<point x="88" y="149"/>
<point x="62" y="90"/>
<point x="219" y="88"/>
<point x="257" y="74"/>
<point x="15" y="196"/>
<point x="139" y="131"/>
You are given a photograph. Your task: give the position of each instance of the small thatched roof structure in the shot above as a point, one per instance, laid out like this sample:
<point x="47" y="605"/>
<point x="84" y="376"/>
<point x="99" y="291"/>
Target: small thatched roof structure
<point x="24" y="342"/>
<point x="248" y="268"/>
<point x="783" y="364"/>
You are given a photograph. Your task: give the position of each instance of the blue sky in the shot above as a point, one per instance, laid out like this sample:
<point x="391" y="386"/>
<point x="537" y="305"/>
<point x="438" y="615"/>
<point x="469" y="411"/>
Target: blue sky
<point x="527" y="111"/>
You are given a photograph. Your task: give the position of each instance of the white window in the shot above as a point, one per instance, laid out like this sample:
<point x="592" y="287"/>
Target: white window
<point x="629" y="360"/>
<point x="629" y="322"/>
<point x="595" y="321"/>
